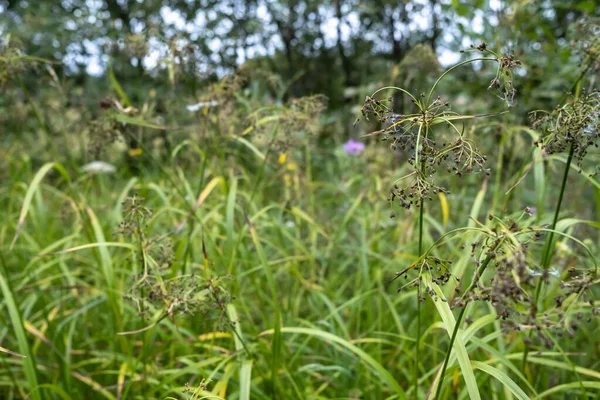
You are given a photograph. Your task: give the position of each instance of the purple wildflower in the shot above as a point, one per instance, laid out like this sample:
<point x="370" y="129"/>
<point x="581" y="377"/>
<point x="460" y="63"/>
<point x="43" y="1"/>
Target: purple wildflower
<point x="353" y="147"/>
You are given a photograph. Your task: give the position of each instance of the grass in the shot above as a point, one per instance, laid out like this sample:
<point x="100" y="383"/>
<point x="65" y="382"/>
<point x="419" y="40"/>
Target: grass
<point x="251" y="272"/>
<point x="310" y="258"/>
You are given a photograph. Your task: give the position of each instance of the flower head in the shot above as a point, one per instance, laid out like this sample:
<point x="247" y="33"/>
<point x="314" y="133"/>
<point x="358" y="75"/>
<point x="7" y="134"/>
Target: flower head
<point x="573" y="125"/>
<point x="99" y="167"/>
<point x="353" y="147"/>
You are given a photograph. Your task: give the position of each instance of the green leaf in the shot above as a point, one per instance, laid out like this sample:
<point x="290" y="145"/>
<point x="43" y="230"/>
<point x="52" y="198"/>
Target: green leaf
<point x="459" y="345"/>
<point x="120" y="92"/>
<point x="245" y="379"/>
<point x="277" y="339"/>
<point x="366" y="358"/>
<point x="566" y="387"/>
<point x="503" y="378"/>
<point x="138" y="122"/>
<point x="587" y="6"/>
<point x="19" y="330"/>
<point x="33" y="187"/>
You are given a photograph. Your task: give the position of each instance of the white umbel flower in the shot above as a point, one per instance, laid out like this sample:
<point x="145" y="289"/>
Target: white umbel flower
<point x="99" y="167"/>
<point x="197" y="106"/>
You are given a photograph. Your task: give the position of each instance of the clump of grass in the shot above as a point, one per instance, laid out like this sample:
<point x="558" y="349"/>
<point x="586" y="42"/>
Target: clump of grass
<point x="311" y="317"/>
<point x="105" y="130"/>
<point x="153" y="288"/>
<point x="433" y="138"/>
<point x="510" y="288"/>
<point x="14" y="61"/>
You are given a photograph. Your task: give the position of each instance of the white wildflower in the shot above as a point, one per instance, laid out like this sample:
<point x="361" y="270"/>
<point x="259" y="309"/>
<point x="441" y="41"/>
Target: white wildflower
<point x="197" y="106"/>
<point x="99" y="167"/>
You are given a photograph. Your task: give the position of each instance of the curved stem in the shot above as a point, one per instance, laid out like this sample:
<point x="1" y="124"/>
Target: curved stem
<point x="421" y="217"/>
<point x="399" y="89"/>
<point x="437" y="243"/>
<point x="451" y="69"/>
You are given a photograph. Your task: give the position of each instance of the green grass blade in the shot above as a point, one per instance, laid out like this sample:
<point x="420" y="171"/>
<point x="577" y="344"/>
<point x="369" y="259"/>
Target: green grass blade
<point x="553" y="364"/>
<point x="250" y="146"/>
<point x="33" y="187"/>
<point x="117" y="87"/>
<point x="94" y="245"/>
<point x="539" y="180"/>
<point x="565" y="387"/>
<point x="277" y="340"/>
<point x="459" y="345"/>
<point x="477" y="205"/>
<point x="500" y="355"/>
<point x="17" y="324"/>
<point x="106" y="264"/>
<point x="12" y="353"/>
<point x="503" y="378"/>
<point x="379" y="369"/>
<point x="55" y="389"/>
<point x="245" y="379"/>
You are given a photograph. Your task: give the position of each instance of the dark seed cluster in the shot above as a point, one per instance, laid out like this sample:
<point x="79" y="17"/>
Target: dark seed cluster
<point x="413" y="135"/>
<point x="510" y="278"/>
<point x="419" y="134"/>
<point x="186" y="294"/>
<point x="135" y="217"/>
<point x="154" y="288"/>
<point x="419" y="188"/>
<point x="439" y="270"/>
<point x="104" y="130"/>
<point x="12" y="62"/>
<point x="502" y="84"/>
<point x="573" y="125"/>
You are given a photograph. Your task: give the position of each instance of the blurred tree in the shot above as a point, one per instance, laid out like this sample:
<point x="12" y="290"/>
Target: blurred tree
<point x="183" y="45"/>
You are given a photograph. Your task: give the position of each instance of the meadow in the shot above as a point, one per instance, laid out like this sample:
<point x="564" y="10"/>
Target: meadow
<point x="239" y="246"/>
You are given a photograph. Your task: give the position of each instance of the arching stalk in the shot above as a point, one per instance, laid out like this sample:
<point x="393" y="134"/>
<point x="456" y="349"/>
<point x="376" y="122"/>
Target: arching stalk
<point x="453" y="68"/>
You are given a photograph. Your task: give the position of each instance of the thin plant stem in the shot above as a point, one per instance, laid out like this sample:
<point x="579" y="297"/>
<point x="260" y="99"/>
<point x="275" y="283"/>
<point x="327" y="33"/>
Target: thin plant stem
<point x="549" y="246"/>
<point x="399" y="89"/>
<point x="447" y="359"/>
<point x="416" y="377"/>
<point x="480" y="272"/>
<point x="421" y="217"/>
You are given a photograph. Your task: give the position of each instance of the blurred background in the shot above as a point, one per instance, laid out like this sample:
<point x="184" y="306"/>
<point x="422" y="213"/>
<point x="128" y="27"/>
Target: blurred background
<point x="169" y="54"/>
<point x="341" y="49"/>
